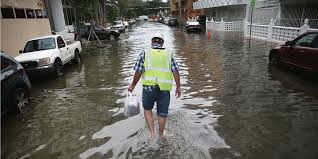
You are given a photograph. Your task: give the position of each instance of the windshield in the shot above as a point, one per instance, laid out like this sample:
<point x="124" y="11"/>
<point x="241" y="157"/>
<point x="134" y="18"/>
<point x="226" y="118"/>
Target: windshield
<point x="116" y="23"/>
<point x="40" y="44"/>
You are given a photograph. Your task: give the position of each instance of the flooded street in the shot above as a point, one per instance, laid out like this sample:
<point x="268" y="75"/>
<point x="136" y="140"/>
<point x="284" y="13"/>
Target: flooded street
<point x="232" y="105"/>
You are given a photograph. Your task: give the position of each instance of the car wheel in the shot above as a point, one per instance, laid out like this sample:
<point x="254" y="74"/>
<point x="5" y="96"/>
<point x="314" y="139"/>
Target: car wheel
<point x="84" y="41"/>
<point x="273" y="59"/>
<point x="58" y="68"/>
<point x="21" y="98"/>
<point x="77" y="58"/>
<point x="111" y="37"/>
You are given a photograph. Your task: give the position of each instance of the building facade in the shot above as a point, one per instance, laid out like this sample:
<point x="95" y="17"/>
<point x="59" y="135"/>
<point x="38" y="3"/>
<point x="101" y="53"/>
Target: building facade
<point x="186" y="7"/>
<point x="25" y="19"/>
<point x="291" y="13"/>
<point x="20" y="21"/>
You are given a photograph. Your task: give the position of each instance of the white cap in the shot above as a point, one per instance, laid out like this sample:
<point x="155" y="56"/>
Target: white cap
<point x="157" y="35"/>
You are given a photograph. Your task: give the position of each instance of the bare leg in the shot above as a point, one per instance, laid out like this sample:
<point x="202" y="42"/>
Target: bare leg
<point x="150" y="122"/>
<point x="162" y="123"/>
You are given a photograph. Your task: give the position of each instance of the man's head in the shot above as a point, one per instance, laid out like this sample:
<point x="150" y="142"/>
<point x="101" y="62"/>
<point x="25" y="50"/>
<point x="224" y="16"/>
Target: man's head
<point x="157" y="39"/>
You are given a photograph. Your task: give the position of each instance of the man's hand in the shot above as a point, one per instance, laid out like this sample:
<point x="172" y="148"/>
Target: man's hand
<point x="131" y="88"/>
<point x="137" y="76"/>
<point x="178" y="92"/>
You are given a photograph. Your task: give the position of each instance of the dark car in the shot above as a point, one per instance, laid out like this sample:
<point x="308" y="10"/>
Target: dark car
<point x="193" y="26"/>
<point x="301" y="53"/>
<point x="161" y="20"/>
<point x="15" y="85"/>
<point x="173" y="22"/>
<point x="101" y="33"/>
<point x="202" y="19"/>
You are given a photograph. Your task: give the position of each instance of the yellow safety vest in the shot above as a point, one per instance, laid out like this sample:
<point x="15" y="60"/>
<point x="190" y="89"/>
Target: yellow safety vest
<point x="158" y="63"/>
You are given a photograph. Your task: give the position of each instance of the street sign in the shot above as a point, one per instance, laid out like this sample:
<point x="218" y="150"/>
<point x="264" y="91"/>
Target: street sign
<point x="252" y="3"/>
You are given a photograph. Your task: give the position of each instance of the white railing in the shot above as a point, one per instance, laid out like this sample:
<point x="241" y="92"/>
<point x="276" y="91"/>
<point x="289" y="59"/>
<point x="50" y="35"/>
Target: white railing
<point x="265" y="32"/>
<point x="217" y="3"/>
<point x="276" y="33"/>
<point x="234" y="26"/>
<point x="225" y="26"/>
<point x="258" y="30"/>
<point x="285" y="33"/>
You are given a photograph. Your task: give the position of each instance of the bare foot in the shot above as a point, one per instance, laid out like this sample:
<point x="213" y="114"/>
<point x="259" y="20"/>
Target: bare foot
<point x="162" y="141"/>
<point x="153" y="135"/>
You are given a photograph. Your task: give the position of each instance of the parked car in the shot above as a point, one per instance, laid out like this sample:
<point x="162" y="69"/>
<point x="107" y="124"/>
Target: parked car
<point x="126" y="24"/>
<point x="301" y="53"/>
<point x="166" y="20"/>
<point x="131" y="21"/>
<point x="202" y="19"/>
<point x="48" y="54"/>
<point x="15" y="86"/>
<point x="142" y="18"/>
<point x="161" y="20"/>
<point x="193" y="26"/>
<point x="101" y="32"/>
<point x="173" y="22"/>
<point x="119" y="25"/>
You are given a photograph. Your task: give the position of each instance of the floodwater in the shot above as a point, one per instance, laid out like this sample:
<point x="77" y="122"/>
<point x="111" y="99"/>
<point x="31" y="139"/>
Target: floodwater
<point x="232" y="106"/>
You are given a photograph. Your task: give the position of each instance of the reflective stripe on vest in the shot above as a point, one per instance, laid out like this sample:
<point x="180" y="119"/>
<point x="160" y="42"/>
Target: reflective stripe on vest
<point x="157" y="80"/>
<point x="158" y="68"/>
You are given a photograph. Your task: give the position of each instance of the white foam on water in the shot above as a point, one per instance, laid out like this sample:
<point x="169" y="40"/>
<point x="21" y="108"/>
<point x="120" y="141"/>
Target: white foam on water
<point x="119" y="133"/>
<point x="25" y="156"/>
<point x="40" y="147"/>
<point x="189" y="134"/>
<point x="82" y="137"/>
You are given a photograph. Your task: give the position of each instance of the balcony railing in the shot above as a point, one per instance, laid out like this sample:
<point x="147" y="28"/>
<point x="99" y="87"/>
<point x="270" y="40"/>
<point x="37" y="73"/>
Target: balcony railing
<point x="217" y="3"/>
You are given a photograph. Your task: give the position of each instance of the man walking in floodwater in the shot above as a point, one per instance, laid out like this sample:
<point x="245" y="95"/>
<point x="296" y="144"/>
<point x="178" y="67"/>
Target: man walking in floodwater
<point x="158" y="69"/>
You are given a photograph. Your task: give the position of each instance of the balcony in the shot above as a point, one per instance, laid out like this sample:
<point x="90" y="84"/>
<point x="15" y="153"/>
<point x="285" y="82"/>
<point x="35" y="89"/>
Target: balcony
<point x="217" y="3"/>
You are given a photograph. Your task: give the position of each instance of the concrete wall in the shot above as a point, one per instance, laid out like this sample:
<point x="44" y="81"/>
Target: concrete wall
<point x="228" y="13"/>
<point x="16" y="32"/>
<point x="264" y="11"/>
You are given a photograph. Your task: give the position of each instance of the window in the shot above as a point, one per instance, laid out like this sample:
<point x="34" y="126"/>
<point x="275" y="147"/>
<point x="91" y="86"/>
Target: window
<point x="83" y="30"/>
<point x="60" y="42"/>
<point x="5" y="63"/>
<point x="315" y="43"/>
<point x="97" y="28"/>
<point x="40" y="44"/>
<point x="39" y="13"/>
<point x="30" y="13"/>
<point x="7" y="13"/>
<point x="19" y="13"/>
<point x="306" y="40"/>
<point x="44" y="14"/>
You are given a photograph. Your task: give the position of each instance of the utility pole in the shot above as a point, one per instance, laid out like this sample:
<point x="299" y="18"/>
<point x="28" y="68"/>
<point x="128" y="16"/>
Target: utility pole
<point x="252" y="4"/>
<point x="179" y="4"/>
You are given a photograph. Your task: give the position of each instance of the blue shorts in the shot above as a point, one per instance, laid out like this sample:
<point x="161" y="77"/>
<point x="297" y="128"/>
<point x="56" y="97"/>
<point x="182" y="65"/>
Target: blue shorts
<point x="152" y="94"/>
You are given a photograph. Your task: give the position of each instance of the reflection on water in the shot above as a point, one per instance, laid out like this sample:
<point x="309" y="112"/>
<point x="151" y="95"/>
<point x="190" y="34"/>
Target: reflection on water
<point x="233" y="105"/>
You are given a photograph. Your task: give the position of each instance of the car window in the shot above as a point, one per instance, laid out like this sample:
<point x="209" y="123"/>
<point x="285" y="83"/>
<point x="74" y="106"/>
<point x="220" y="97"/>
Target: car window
<point x="117" y="23"/>
<point x="60" y="41"/>
<point x="5" y="63"/>
<point x="315" y="43"/>
<point x="97" y="28"/>
<point x="40" y="44"/>
<point x="306" y="40"/>
<point x="83" y="30"/>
